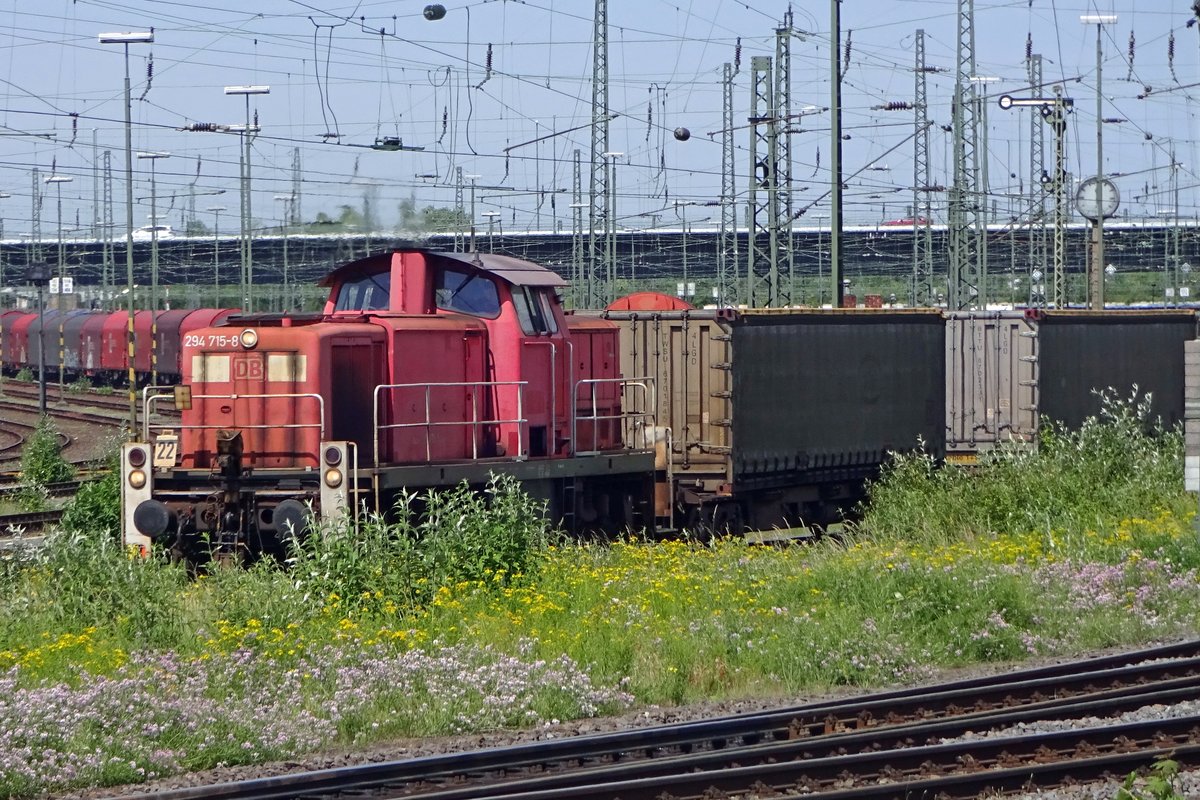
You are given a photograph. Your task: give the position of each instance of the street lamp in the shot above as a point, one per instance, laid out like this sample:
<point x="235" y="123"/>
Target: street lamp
<point x="287" y="200"/>
<point x="610" y="222"/>
<point x="1095" y="281"/>
<point x="247" y="245"/>
<point x="58" y="181"/>
<point x="216" y="254"/>
<point x="472" y="179"/>
<point x="681" y="210"/>
<point x="491" y="215"/>
<point x="39" y="275"/>
<point x="125" y="39"/>
<point x="153" y="159"/>
<point x="3" y="196"/>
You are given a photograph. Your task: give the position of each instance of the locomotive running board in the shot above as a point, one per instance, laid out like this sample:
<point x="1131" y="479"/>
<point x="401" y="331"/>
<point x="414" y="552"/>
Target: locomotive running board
<point x="477" y="472"/>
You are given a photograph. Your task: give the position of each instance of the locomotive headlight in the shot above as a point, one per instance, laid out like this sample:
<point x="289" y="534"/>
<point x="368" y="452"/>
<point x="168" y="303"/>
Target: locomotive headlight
<point x="333" y="478"/>
<point x="137" y="478"/>
<point x="249" y="338"/>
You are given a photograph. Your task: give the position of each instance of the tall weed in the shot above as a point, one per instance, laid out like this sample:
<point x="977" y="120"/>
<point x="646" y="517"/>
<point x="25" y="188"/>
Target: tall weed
<point x="42" y="463"/>
<point x="1118" y="464"/>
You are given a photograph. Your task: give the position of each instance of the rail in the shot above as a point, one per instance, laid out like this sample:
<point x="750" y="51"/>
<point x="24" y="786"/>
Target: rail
<point x="630" y="421"/>
<point x="150" y="400"/>
<point x="476" y="422"/>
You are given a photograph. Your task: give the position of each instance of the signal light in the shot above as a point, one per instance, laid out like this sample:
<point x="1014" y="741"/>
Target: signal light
<point x="137" y="457"/>
<point x="333" y="478"/>
<point x="137" y="478"/>
<point x="333" y="456"/>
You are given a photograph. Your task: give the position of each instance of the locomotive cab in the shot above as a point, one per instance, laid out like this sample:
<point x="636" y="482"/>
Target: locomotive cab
<point x="424" y="370"/>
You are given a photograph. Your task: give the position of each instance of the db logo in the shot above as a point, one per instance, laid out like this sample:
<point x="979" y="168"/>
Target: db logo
<point x="247" y="368"/>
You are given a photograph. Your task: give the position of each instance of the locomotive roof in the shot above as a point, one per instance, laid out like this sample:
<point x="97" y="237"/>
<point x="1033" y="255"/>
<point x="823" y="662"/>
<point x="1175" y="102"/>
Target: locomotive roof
<point x="516" y="271"/>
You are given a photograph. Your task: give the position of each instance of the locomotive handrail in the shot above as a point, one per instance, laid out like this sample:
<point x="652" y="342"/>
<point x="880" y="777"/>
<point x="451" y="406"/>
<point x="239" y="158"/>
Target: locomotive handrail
<point x="627" y="418"/>
<point x="150" y="400"/>
<point x="553" y="382"/>
<point x="475" y="422"/>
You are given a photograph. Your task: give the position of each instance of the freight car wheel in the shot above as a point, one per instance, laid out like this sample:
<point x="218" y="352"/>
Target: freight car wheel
<point x="703" y="523"/>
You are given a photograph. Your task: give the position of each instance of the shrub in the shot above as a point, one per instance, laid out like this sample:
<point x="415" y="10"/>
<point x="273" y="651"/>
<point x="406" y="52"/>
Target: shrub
<point x="24" y="374"/>
<point x="42" y="464"/>
<point x="1116" y="465"/>
<point x="96" y="507"/>
<point x="80" y="386"/>
<point x="430" y="540"/>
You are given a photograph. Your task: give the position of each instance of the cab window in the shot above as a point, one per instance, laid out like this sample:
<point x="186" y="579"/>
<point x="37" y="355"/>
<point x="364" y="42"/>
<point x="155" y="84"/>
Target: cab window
<point x="467" y="293"/>
<point x="534" y="310"/>
<point x="365" y="293"/>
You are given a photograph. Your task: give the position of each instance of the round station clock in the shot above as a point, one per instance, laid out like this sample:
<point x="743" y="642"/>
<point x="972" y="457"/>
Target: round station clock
<point x="1085" y="199"/>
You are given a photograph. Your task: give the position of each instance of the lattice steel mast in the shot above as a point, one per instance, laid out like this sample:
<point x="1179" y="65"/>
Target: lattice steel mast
<point x="1038" y="181"/>
<point x="762" y="253"/>
<point x="968" y="239"/>
<point x="781" y="211"/>
<point x="923" y="290"/>
<point x="598" y="255"/>
<point x="727" y="252"/>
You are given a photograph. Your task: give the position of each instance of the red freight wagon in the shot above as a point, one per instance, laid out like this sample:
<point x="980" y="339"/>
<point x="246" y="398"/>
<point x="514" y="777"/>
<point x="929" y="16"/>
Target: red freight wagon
<point x="91" y="344"/>
<point x="8" y="338"/>
<point x="167" y="342"/>
<point x="114" y="343"/>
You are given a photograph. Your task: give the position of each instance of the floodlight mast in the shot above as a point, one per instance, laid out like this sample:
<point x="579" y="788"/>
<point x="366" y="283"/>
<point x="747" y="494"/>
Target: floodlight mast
<point x="1096" y="265"/>
<point x="247" y="240"/>
<point x="127" y="38"/>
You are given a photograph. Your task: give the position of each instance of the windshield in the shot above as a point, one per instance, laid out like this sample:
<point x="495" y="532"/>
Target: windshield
<point x="365" y="293"/>
<point x="468" y="293"/>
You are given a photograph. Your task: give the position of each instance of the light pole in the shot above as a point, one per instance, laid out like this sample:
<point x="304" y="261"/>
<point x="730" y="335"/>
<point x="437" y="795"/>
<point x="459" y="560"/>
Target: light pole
<point x="286" y="199"/>
<point x="58" y="181"/>
<point x="1096" y="268"/>
<point x="610" y="225"/>
<point x="491" y="215"/>
<point x="127" y="38"/>
<point x="153" y="159"/>
<point x="39" y="274"/>
<point x="472" y="179"/>
<point x="821" y="260"/>
<point x="3" y="196"/>
<point x="681" y="210"/>
<point x="247" y="241"/>
<point x="216" y="254"/>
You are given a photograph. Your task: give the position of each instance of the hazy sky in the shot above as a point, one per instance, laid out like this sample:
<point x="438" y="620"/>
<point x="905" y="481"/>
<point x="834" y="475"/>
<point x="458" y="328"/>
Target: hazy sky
<point x="355" y="70"/>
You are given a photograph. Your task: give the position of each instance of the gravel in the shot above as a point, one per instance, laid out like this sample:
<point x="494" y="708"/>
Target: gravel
<point x="642" y="718"/>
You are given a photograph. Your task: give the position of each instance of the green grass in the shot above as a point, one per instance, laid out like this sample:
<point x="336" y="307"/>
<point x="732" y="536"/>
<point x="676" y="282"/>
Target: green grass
<point x="477" y="616"/>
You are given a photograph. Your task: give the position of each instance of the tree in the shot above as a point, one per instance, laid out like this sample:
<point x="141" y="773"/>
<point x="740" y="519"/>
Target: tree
<point x="442" y="219"/>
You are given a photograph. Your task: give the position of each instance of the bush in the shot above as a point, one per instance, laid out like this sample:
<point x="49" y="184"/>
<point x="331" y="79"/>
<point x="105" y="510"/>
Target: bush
<point x="80" y="386"/>
<point x="96" y="507"/>
<point x="431" y="540"/>
<point x="1118" y="464"/>
<point x="42" y="464"/>
<point x="24" y="374"/>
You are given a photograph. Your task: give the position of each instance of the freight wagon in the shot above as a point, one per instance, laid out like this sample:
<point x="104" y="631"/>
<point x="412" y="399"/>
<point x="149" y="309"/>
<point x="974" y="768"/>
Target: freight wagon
<point x="776" y="419"/>
<point x="1009" y="372"/>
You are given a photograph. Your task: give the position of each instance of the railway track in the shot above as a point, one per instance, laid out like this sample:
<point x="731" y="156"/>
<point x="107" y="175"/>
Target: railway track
<point x="29" y="521"/>
<point x="900" y="744"/>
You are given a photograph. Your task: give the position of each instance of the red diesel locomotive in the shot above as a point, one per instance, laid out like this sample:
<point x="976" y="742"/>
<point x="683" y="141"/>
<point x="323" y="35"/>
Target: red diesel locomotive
<point x="424" y="370"/>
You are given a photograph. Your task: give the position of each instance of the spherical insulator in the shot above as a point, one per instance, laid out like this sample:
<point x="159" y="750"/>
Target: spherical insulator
<point x="683" y="134"/>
